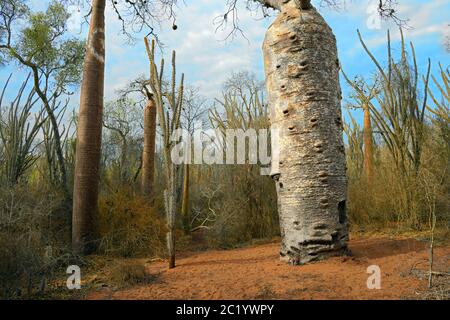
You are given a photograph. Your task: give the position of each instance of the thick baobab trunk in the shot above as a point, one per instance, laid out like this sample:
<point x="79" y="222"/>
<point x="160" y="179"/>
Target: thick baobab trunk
<point x="368" y="145"/>
<point x="89" y="133"/>
<point x="148" y="154"/>
<point x="302" y="79"/>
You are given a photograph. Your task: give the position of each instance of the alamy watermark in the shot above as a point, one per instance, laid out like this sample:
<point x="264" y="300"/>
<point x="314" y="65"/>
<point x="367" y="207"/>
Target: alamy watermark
<point x="74" y="280"/>
<point x="374" y="280"/>
<point x="231" y="146"/>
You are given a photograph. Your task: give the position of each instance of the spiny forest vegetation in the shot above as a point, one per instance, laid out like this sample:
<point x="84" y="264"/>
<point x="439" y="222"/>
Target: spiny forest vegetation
<point x="98" y="180"/>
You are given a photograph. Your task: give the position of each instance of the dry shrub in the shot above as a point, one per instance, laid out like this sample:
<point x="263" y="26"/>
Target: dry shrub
<point x="33" y="234"/>
<point x="404" y="202"/>
<point x="379" y="202"/>
<point x="411" y="184"/>
<point x="234" y="204"/>
<point x="128" y="226"/>
<point x="129" y="273"/>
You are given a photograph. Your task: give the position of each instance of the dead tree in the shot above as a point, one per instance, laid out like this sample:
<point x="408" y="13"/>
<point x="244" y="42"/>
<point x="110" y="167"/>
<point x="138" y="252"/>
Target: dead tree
<point x="168" y="105"/>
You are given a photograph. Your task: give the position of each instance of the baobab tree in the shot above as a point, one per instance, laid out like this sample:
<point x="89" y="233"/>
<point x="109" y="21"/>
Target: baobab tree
<point x="148" y="153"/>
<point x="362" y="99"/>
<point x="368" y="145"/>
<point x="302" y="79"/>
<point x="89" y="133"/>
<point x="137" y="15"/>
<point x="139" y="88"/>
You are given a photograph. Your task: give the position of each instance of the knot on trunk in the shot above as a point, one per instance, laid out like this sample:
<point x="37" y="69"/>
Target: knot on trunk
<point x="300" y="4"/>
<point x="304" y="4"/>
<point x="278" y="4"/>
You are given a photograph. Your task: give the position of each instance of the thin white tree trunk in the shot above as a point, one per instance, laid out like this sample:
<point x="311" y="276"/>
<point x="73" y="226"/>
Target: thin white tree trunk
<point x="170" y="194"/>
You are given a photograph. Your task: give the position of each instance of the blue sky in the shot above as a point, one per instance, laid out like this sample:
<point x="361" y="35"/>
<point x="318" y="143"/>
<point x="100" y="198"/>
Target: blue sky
<point x="207" y="60"/>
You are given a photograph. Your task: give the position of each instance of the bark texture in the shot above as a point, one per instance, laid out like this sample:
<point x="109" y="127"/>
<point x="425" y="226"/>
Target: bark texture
<point x="89" y="132"/>
<point x="368" y="145"/>
<point x="302" y="79"/>
<point x="148" y="154"/>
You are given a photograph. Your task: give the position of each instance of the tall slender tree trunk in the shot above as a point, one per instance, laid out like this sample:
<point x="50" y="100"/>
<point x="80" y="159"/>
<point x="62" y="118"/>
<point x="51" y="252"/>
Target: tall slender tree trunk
<point x="302" y="79"/>
<point x="185" y="204"/>
<point x="123" y="172"/>
<point x="368" y="145"/>
<point x="89" y="133"/>
<point x="169" y="123"/>
<point x="148" y="154"/>
<point x="170" y="206"/>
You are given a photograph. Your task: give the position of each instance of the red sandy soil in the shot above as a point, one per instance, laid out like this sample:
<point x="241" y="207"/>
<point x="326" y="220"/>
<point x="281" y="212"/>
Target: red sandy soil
<point x="257" y="273"/>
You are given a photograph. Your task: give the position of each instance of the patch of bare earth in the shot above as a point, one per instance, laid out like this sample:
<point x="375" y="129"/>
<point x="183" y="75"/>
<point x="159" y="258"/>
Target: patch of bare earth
<point x="257" y="273"/>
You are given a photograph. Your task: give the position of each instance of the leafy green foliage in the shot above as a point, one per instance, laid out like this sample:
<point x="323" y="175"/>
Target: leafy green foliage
<point x="44" y="43"/>
<point x="10" y="12"/>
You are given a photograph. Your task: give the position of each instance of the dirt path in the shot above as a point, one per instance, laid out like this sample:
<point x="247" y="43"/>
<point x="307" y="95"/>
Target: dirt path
<point x="256" y="273"/>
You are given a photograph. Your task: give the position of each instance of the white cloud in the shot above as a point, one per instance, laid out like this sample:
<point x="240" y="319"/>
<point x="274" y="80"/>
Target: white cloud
<point x="420" y="22"/>
<point x="201" y="50"/>
<point x="207" y="60"/>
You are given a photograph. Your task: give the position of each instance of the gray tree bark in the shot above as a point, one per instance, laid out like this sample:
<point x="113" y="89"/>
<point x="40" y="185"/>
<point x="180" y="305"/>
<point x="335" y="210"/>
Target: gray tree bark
<point x="302" y="79"/>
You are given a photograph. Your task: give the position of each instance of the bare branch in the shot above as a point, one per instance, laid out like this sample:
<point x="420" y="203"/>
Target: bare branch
<point x="386" y="9"/>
